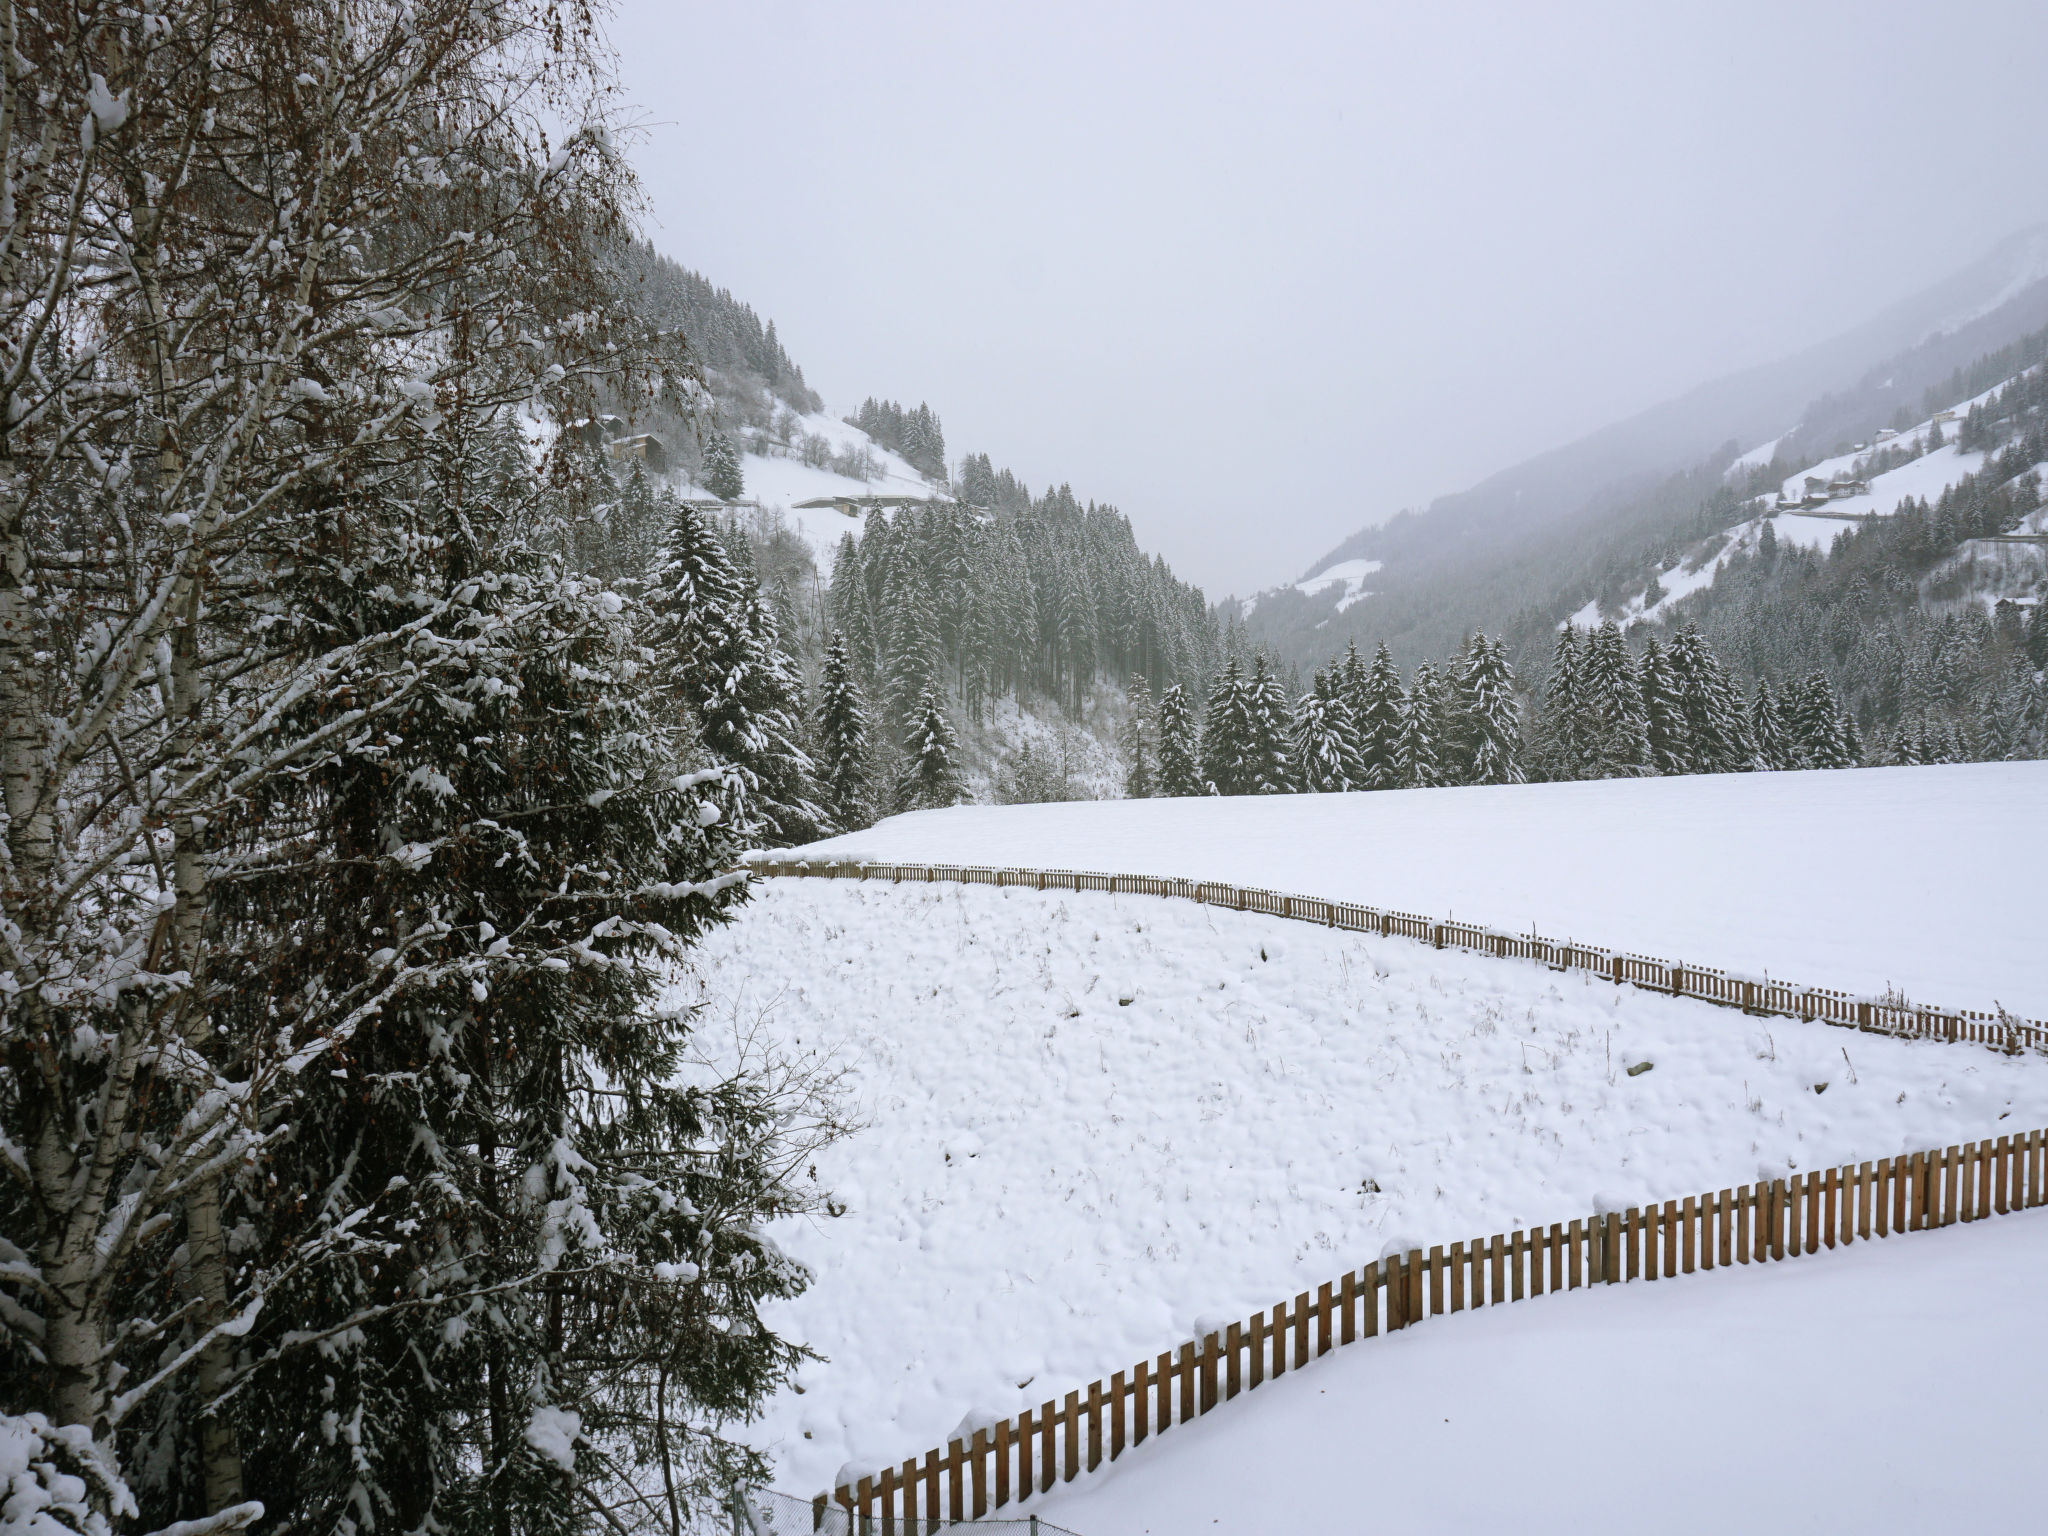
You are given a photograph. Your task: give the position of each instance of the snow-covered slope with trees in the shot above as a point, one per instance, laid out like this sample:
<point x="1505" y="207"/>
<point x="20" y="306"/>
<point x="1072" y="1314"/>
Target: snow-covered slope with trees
<point x="1090" y="1121"/>
<point x="1867" y="879"/>
<point x="1940" y="464"/>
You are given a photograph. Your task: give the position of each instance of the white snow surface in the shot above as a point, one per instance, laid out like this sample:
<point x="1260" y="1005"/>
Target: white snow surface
<point x="1772" y="1398"/>
<point x="1350" y="574"/>
<point x="1861" y="879"/>
<point x="1052" y="1183"/>
<point x="778" y="483"/>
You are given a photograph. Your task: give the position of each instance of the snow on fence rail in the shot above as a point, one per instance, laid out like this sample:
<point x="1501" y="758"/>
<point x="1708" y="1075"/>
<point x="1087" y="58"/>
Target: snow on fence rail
<point x="1752" y="994"/>
<point x="1013" y="1459"/>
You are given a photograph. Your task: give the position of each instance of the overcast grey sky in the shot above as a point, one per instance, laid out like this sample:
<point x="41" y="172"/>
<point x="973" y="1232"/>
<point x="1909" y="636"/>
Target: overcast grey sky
<point x="1261" y="274"/>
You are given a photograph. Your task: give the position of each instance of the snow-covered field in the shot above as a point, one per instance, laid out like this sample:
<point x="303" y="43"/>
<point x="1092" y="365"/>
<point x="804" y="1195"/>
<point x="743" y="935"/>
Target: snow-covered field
<point x="1889" y="1387"/>
<point x="1922" y="879"/>
<point x="1054" y="1182"/>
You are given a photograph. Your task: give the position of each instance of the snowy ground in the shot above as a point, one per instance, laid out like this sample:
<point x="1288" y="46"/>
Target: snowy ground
<point x="1918" y="878"/>
<point x="1889" y="1387"/>
<point x="1053" y="1183"/>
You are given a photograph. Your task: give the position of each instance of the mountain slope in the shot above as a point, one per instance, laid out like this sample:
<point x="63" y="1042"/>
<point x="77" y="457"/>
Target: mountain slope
<point x="1545" y="534"/>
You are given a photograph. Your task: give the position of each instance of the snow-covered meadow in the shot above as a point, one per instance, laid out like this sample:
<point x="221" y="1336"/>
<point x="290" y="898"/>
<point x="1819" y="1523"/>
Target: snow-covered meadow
<point x="1892" y="1386"/>
<point x="1091" y="1121"/>
<point x="1924" y="879"/>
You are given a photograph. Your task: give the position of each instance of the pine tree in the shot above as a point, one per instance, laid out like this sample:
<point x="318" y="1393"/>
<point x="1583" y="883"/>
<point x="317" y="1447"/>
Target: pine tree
<point x="1492" y="728"/>
<point x="1561" y="747"/>
<point x="1269" y="770"/>
<point x="721" y="662"/>
<point x="1717" y="733"/>
<point x="1139" y="740"/>
<point x="1379" y="712"/>
<point x="721" y="471"/>
<point x="1818" y="728"/>
<point x="1611" y="701"/>
<point x="915" y="663"/>
<point x="1325" y="747"/>
<point x="1664" y="716"/>
<point x="843" y="740"/>
<point x="1422" y="755"/>
<point x="929" y="780"/>
<point x="1228" y="734"/>
<point x="1775" y="749"/>
<point x="1180" y="762"/>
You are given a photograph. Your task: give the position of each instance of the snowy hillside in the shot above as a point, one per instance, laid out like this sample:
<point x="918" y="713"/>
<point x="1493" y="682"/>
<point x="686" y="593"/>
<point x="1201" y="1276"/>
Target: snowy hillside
<point x="1923" y="479"/>
<point x="1346" y="578"/>
<point x="778" y="481"/>
<point x="1863" y="879"/>
<point x="1487" y="1421"/>
<point x="1091" y="1121"/>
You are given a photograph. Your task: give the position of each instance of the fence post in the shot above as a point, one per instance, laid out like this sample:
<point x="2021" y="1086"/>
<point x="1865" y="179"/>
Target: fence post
<point x="1094" y="1425"/>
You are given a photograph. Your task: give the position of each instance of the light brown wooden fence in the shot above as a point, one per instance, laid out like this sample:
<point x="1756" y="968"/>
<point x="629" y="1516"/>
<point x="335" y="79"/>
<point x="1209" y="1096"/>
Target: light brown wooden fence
<point x="1757" y="995"/>
<point x="1754" y="1224"/>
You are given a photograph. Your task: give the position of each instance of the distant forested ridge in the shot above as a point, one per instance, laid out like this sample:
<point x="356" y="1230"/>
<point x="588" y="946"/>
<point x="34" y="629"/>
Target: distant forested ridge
<point x="731" y="342"/>
<point x="1045" y="595"/>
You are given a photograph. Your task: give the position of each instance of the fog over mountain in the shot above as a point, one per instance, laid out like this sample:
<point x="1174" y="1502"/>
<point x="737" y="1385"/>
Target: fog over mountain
<point x="1264" y="277"/>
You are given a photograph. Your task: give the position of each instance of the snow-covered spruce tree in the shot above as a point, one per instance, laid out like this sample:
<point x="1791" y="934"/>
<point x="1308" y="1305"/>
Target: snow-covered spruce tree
<point x="1139" y="740"/>
<point x="915" y="664"/>
<point x="1180" y="759"/>
<point x="2013" y="722"/>
<point x="1491" y="724"/>
<point x="1325" y="747"/>
<point x="1716" y="730"/>
<point x="1422" y="754"/>
<point x="721" y="467"/>
<point x="1611" y="702"/>
<point x="1269" y="768"/>
<point x="1379" y="707"/>
<point x="1559" y="748"/>
<point x="1664" y="718"/>
<point x="1227" y="733"/>
<point x="554" y="1244"/>
<point x="844" y="749"/>
<point x="1820" y="731"/>
<point x="1775" y="749"/>
<point x="718" y="662"/>
<point x="930" y="778"/>
<point x="769" y="696"/>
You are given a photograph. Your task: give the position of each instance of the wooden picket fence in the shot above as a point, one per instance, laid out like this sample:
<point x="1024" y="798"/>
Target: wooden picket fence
<point x="1030" y="1453"/>
<point x="1752" y="994"/>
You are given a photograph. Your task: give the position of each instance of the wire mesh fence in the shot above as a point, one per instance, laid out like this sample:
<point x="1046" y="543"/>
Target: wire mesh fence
<point x="764" y="1513"/>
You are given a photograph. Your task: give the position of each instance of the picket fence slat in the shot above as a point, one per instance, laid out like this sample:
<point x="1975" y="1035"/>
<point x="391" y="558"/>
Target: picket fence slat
<point x="1809" y="1212"/>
